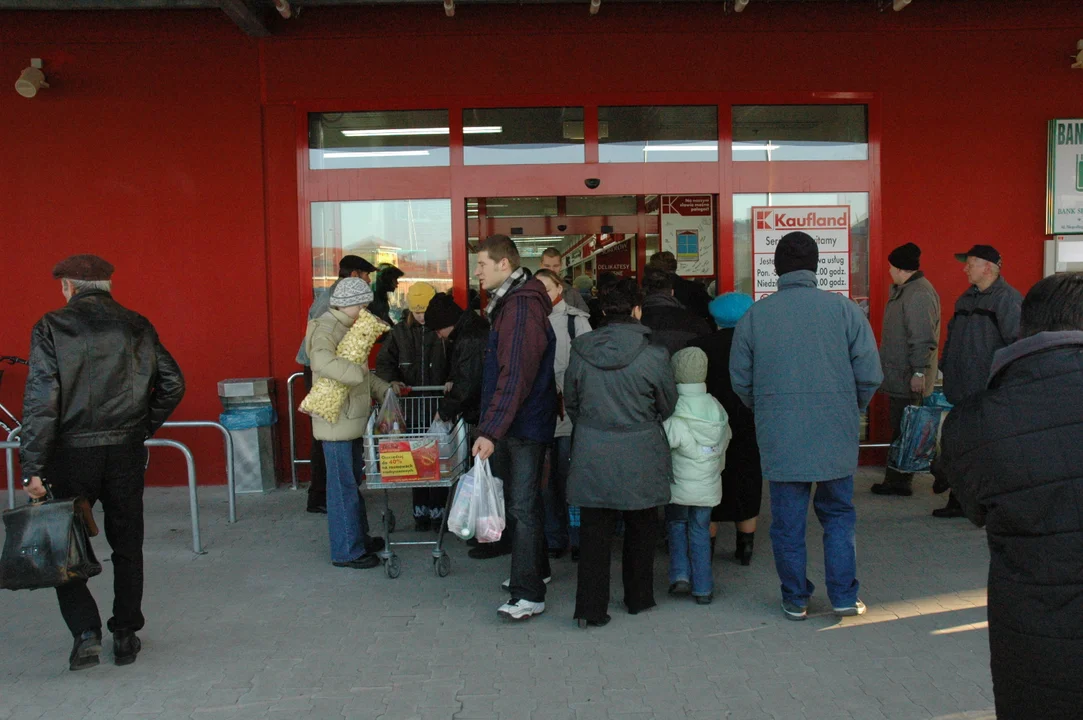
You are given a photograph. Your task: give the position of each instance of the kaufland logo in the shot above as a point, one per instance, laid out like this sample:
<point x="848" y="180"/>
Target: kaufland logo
<point x="775" y="220"/>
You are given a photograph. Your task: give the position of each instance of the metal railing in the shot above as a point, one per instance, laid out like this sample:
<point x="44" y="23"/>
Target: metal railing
<point x="230" y="482"/>
<point x="294" y="462"/>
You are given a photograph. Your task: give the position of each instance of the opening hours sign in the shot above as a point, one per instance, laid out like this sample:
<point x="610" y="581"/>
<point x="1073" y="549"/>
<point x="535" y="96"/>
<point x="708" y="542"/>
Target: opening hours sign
<point x="828" y="225"/>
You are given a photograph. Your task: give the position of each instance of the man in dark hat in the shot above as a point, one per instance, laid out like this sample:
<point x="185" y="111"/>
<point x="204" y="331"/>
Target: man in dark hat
<point x="908" y="345"/>
<point x="348" y="266"/>
<point x="805" y="361"/>
<point x="986" y="319"/>
<point x="100" y="383"/>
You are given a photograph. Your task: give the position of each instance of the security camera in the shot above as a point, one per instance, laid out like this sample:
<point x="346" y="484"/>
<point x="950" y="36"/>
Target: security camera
<point x="592" y="183"/>
<point x="31" y="80"/>
<point x="562" y="228"/>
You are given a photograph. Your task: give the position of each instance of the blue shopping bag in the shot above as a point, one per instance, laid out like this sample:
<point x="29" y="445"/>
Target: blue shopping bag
<point x="913" y="451"/>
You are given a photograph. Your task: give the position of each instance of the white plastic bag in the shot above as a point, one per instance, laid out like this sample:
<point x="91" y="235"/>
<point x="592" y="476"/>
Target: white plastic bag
<point x="462" y="517"/>
<point x="443" y="429"/>
<point x="489" y="495"/>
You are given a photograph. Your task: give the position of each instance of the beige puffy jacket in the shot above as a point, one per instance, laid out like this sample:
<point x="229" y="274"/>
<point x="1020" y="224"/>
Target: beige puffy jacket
<point x="321" y="341"/>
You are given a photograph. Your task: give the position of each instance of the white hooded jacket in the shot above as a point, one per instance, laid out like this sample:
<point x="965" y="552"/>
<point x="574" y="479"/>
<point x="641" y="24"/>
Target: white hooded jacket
<point x="698" y="433"/>
<point x="559" y="319"/>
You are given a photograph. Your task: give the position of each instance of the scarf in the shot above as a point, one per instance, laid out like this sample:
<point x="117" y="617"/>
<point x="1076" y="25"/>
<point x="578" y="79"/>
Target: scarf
<point x="517" y="278"/>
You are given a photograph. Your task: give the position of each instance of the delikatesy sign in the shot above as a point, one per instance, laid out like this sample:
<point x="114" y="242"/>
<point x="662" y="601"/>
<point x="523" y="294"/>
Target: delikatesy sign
<point x="829" y="226"/>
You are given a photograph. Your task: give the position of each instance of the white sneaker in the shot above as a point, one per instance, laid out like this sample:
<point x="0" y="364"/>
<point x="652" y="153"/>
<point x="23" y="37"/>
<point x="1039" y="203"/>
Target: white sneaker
<point x="506" y="585"/>
<point x="858" y="608"/>
<point x="516" y="609"/>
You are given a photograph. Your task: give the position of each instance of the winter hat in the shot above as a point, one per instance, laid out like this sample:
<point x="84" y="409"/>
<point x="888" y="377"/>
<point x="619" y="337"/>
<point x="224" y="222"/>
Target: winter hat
<point x="443" y="312"/>
<point x="796" y="251"/>
<point x="351" y="291"/>
<point x="690" y="366"/>
<point x="583" y="283"/>
<point x="355" y="263"/>
<point x="906" y="257"/>
<point x="729" y="308"/>
<point x="83" y="267"/>
<point x="419" y="295"/>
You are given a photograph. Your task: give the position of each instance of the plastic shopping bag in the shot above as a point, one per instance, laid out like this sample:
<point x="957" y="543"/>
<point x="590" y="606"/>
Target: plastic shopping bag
<point x="390" y="421"/>
<point x="462" y="517"/>
<point x="443" y="430"/>
<point x="490" y="522"/>
<point x="919" y="436"/>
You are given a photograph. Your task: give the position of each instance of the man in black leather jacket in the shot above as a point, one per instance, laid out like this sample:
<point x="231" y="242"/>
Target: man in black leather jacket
<point x="100" y="383"/>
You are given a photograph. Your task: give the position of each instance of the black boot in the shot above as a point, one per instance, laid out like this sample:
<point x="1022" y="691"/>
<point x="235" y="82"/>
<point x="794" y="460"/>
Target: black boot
<point x="952" y="510"/>
<point x="125" y="647"/>
<point x="745" y="541"/>
<point x="84" y="653"/>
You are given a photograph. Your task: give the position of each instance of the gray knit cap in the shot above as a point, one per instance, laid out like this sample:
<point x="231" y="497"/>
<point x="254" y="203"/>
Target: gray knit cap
<point x="690" y="366"/>
<point x="351" y="291"/>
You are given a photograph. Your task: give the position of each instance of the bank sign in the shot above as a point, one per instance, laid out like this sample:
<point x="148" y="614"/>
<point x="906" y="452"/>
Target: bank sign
<point x="1064" y="178"/>
<point x="828" y="225"/>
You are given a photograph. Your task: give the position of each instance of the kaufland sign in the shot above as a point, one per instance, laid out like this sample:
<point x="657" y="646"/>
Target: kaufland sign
<point x="829" y="226"/>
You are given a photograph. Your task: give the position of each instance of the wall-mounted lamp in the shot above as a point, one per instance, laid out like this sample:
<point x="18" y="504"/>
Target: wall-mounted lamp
<point x="449" y="8"/>
<point x="31" y="79"/>
<point x="739" y="5"/>
<point x="595" y="6"/>
<point x="284" y="9"/>
<point x="900" y="4"/>
<point x="1078" y="65"/>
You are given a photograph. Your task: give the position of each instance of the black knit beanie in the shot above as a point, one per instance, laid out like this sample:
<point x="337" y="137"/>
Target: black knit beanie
<point x="443" y="312"/>
<point x="906" y="257"/>
<point x="796" y="251"/>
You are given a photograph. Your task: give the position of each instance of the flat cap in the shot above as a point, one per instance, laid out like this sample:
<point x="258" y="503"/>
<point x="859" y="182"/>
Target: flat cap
<point x="83" y="267"/>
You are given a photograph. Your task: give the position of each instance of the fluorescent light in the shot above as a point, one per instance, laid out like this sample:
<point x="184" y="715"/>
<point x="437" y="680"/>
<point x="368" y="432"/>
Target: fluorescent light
<point x="710" y="147"/>
<point x="389" y="132"/>
<point x="375" y="154"/>
<point x="768" y="146"/>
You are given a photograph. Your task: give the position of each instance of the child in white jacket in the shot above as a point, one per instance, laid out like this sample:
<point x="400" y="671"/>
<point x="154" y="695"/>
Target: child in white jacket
<point x="698" y="433"/>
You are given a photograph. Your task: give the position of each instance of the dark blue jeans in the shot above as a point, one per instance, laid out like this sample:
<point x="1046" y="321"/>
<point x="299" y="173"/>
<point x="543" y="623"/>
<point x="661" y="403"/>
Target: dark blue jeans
<point x="557" y="530"/>
<point x="519" y="463"/>
<point x="689" y="530"/>
<point x="347" y="521"/>
<point x="834" y="507"/>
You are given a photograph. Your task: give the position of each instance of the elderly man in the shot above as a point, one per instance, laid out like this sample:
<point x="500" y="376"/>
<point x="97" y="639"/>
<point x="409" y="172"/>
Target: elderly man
<point x="805" y="361"/>
<point x="100" y="383"/>
<point x="1014" y="456"/>
<point x="550" y="261"/>
<point x="909" y="340"/>
<point x="986" y="319"/>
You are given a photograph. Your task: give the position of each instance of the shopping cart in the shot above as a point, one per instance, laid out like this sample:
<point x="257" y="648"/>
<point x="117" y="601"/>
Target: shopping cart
<point x="4" y="412"/>
<point x="413" y="459"/>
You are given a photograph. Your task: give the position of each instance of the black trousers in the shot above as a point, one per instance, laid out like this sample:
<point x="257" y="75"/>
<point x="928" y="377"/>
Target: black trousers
<point x="896" y="406"/>
<point x="317" y="486"/>
<point x="114" y="475"/>
<point x="637" y="564"/>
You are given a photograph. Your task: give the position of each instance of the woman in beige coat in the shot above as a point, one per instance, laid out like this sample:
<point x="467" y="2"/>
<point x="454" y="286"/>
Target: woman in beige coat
<point x="347" y="522"/>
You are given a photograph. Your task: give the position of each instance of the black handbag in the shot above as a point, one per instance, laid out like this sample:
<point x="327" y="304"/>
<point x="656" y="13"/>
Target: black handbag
<point x="47" y="544"/>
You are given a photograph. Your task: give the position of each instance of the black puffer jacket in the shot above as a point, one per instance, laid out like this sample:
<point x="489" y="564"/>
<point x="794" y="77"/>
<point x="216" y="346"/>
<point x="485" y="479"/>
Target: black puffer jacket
<point x="693" y="295"/>
<point x="671" y="324"/>
<point x="412" y="354"/>
<point x="1014" y="456"/>
<point x="98" y="376"/>
<point x="467" y="342"/>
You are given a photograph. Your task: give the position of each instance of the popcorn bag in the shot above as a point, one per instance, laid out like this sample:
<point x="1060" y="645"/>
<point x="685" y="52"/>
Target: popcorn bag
<point x="328" y="396"/>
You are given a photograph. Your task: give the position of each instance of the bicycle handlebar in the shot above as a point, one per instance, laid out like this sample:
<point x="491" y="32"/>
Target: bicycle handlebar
<point x="12" y="360"/>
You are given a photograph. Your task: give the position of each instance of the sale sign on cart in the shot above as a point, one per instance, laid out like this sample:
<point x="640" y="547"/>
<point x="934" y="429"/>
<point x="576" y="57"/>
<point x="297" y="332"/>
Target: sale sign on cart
<point x="410" y="460"/>
<point x="829" y="226"/>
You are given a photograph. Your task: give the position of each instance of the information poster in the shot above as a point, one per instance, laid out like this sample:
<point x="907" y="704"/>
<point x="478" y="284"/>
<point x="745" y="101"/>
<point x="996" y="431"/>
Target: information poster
<point x="409" y="460"/>
<point x="687" y="228"/>
<point x="1064" y="181"/>
<point x="829" y="225"/>
<point x="616" y="259"/>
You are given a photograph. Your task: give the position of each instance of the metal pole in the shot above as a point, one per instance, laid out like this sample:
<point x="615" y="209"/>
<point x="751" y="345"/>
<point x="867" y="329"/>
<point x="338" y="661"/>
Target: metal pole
<point x="231" y="485"/>
<point x="8" y="447"/>
<point x="294" y="462"/>
<point x="193" y="499"/>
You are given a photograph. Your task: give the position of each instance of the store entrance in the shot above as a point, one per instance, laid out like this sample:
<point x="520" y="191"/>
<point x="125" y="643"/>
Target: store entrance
<point x="599" y="234"/>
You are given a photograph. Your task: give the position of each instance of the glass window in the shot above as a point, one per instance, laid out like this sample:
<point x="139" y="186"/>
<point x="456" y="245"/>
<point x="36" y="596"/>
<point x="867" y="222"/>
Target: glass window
<point x="413" y="235"/>
<point x="658" y="134"/>
<point x="777" y="133"/>
<point x="410" y="138"/>
<point x="523" y="136"/>
<point x="858" y="204"/>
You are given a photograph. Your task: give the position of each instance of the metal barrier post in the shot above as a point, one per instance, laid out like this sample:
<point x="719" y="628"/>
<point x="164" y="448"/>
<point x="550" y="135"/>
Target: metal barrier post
<point x="193" y="499"/>
<point x="8" y="447"/>
<point x="231" y="485"/>
<point x="294" y="462"/>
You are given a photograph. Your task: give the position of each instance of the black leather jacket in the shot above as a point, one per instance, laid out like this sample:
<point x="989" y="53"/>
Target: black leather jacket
<point x="98" y="376"/>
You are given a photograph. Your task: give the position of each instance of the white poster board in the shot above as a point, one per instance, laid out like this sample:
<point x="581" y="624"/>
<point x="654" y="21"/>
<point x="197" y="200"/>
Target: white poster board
<point x="828" y="225"/>
<point x="1064" y="178"/>
<point x="687" y="229"/>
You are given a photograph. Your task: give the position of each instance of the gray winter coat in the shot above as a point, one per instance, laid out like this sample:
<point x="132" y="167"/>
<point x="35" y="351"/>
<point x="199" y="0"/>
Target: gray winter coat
<point x="574" y="298"/>
<point x="320" y="304"/>
<point x="620" y="454"/>
<point x="559" y="320"/>
<point x="983" y="323"/>
<point x="805" y="361"/>
<point x="911" y="336"/>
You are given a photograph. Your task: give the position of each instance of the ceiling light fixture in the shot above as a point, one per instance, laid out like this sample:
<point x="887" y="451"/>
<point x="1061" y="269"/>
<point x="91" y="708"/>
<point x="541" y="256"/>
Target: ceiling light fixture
<point x="449" y="8"/>
<point x="389" y="132"/>
<point x="900" y="4"/>
<point x="711" y="147"/>
<point x="375" y="154"/>
<point x="31" y="79"/>
<point x="595" y="6"/>
<point x="739" y="5"/>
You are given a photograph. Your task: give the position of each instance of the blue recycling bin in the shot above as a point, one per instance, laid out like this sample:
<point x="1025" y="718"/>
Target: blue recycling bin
<point x="249" y="416"/>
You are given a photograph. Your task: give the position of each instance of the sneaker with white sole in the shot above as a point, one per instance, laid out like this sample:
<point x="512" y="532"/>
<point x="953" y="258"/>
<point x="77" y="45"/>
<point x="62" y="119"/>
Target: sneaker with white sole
<point x="858" y="608"/>
<point x="794" y="611"/>
<point x="506" y="585"/>
<point x="516" y="609"/>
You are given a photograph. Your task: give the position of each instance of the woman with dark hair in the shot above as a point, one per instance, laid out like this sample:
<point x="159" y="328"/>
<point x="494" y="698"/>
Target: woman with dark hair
<point x="387" y="279"/>
<point x="620" y="456"/>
